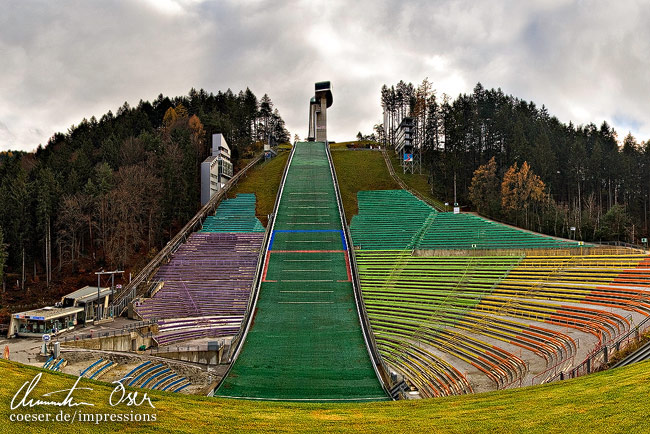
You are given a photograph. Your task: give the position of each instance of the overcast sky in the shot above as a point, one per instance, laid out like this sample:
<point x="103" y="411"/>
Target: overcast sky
<point x="61" y="61"/>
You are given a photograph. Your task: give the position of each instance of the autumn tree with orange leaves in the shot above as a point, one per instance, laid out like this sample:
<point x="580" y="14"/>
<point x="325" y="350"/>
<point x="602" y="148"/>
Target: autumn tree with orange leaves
<point x="484" y="190"/>
<point x="522" y="190"/>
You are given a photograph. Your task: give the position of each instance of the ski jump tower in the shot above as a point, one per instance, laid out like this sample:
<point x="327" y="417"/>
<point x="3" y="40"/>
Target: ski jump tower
<point x="318" y="106"/>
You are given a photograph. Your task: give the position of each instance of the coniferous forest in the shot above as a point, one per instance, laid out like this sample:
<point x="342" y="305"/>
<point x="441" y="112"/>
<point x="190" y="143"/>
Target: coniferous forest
<point x="513" y="161"/>
<point x="111" y="191"/>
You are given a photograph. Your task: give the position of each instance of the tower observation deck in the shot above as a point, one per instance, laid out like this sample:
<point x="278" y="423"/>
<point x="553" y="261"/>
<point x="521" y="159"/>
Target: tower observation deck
<point x="318" y="106"/>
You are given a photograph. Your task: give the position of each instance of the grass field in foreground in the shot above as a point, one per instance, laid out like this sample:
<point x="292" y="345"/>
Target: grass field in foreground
<point x="610" y="401"/>
<point x="264" y="181"/>
<point x="360" y="170"/>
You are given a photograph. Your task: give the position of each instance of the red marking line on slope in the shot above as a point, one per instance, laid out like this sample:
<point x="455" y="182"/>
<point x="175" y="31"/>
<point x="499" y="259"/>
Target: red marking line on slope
<point x="347" y="268"/>
<point x="306" y="251"/>
<point x="266" y="266"/>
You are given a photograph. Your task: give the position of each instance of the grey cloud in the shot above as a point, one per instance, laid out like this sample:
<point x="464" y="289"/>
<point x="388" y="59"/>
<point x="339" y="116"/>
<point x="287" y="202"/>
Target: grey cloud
<point x="62" y="61"/>
<point x="6" y="137"/>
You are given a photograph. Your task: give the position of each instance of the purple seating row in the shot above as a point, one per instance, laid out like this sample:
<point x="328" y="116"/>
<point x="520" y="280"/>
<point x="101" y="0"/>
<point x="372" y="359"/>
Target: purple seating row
<point x="205" y="287"/>
<point x="174" y="330"/>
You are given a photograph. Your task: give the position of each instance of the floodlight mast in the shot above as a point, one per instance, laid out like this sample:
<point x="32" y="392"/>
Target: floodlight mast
<point x="112" y="274"/>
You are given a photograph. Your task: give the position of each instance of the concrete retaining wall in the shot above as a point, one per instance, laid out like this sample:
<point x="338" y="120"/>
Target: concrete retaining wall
<point x="202" y="357"/>
<point x="126" y="342"/>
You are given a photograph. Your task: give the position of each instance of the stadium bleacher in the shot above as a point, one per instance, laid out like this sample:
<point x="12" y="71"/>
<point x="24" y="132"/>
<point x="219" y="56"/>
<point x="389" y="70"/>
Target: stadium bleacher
<point x="205" y="287"/>
<point x="388" y="219"/>
<point x="422" y="307"/>
<point x="393" y="219"/>
<point x="148" y="374"/>
<point x="234" y="215"/>
<point x="97" y="369"/>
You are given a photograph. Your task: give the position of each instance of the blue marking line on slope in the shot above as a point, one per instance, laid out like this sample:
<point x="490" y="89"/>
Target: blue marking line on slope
<point x="345" y="246"/>
<point x="308" y="230"/>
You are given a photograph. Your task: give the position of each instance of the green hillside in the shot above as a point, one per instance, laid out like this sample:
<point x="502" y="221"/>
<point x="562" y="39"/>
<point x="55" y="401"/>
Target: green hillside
<point x="357" y="171"/>
<point x="263" y="180"/>
<point x="416" y="181"/>
<point x="610" y="401"/>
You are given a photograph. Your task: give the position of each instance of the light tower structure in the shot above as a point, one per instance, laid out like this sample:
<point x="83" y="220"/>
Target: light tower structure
<point x="318" y="106"/>
<point x="405" y="144"/>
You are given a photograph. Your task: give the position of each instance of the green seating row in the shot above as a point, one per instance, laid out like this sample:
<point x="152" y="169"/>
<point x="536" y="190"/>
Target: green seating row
<point x="395" y="219"/>
<point x="388" y="219"/>
<point x="234" y="215"/>
<point x="468" y="231"/>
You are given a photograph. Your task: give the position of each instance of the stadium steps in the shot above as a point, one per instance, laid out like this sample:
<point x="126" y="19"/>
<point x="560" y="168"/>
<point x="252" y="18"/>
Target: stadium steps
<point x="164" y="381"/>
<point x="88" y="370"/>
<point x="143" y="374"/>
<point x="60" y="364"/>
<point x="155" y="374"/>
<point x="103" y="369"/>
<point x="47" y="362"/>
<point x="176" y="385"/>
<point x="206" y="287"/>
<point x="639" y="355"/>
<point x="97" y="369"/>
<point x="55" y="364"/>
<point x="133" y="373"/>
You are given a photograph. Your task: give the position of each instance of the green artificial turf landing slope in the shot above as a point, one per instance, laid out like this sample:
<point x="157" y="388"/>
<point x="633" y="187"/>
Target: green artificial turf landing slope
<point x="305" y="343"/>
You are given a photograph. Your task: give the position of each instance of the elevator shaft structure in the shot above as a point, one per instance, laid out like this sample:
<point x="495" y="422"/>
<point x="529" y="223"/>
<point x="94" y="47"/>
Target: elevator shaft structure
<point x="318" y="106"/>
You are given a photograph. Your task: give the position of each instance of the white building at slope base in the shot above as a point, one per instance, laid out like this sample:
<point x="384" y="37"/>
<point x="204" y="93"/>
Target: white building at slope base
<point x="216" y="170"/>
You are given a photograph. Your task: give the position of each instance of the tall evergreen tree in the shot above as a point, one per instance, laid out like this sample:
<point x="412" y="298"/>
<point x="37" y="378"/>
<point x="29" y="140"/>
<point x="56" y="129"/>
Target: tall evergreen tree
<point x="3" y="254"/>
